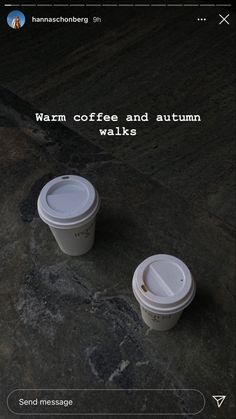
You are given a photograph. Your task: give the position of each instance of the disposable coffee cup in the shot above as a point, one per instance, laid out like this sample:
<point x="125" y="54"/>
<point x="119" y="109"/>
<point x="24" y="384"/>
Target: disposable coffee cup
<point x="164" y="287"/>
<point x="69" y="205"/>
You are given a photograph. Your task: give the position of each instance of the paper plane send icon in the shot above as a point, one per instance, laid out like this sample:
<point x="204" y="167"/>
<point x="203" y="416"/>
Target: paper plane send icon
<point x="219" y="400"/>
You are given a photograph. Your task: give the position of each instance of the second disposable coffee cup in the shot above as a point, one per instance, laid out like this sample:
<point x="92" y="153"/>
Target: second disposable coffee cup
<point x="164" y="287"/>
<point x="68" y="205"/>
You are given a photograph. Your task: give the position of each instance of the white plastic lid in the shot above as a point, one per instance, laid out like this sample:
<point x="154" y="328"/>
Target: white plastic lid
<point x="163" y="284"/>
<point x="68" y="201"/>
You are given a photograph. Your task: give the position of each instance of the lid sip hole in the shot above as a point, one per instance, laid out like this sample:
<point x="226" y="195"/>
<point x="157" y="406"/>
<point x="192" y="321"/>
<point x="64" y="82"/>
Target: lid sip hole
<point x="65" y="177"/>
<point x="144" y="288"/>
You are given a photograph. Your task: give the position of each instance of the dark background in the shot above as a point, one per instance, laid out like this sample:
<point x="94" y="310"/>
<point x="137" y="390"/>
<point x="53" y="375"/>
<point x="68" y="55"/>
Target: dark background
<point x="71" y="322"/>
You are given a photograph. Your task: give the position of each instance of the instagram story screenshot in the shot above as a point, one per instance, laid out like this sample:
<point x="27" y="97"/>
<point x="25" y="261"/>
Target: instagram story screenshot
<point x="117" y="209"/>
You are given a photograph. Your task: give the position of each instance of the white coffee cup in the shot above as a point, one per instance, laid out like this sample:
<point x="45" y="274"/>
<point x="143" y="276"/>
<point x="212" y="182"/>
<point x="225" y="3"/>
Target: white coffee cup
<point x="68" y="205"/>
<point x="164" y="287"/>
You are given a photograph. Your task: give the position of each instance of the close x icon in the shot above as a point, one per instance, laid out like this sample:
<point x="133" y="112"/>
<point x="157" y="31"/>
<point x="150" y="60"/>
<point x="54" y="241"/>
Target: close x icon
<point x="224" y="19"/>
